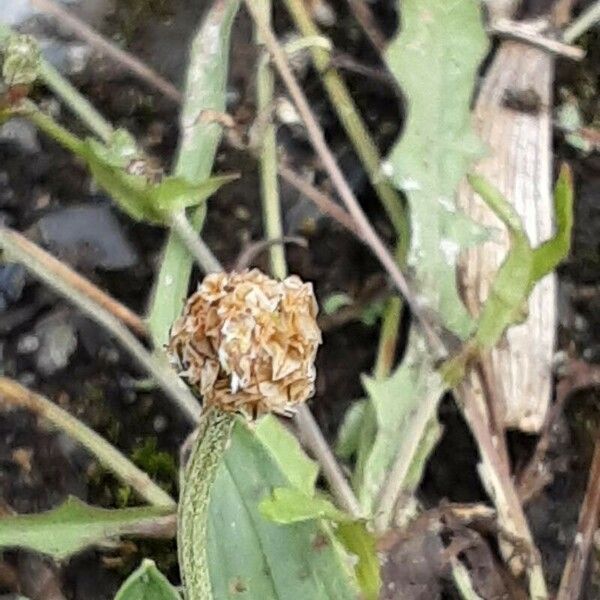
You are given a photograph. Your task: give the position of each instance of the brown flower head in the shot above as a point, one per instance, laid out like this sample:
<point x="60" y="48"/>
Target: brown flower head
<point x="247" y="343"/>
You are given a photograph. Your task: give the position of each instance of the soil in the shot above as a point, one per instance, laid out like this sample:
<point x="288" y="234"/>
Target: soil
<point x="98" y="382"/>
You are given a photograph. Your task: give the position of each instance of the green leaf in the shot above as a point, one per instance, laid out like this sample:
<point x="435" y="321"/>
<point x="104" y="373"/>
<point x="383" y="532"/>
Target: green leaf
<point x="174" y="193"/>
<point x="549" y="254"/>
<point x="435" y="59"/>
<point x="507" y="300"/>
<point x="147" y="583"/>
<point x="284" y="449"/>
<point x="254" y="557"/>
<point x="74" y="526"/>
<point x="358" y="541"/>
<point x="136" y="194"/>
<point x="289" y="505"/>
<point x="392" y="403"/>
<point x="522" y="268"/>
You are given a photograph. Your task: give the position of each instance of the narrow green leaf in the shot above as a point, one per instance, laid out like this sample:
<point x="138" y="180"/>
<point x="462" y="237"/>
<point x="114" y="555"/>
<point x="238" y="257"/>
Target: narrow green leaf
<point x="507" y="300"/>
<point x="74" y="526"/>
<point x="547" y="256"/>
<point x="147" y="583"/>
<point x="435" y="59"/>
<point x="173" y="194"/>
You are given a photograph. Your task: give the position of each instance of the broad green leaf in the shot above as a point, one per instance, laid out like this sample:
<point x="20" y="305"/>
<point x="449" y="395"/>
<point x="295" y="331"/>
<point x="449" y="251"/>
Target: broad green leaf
<point x="289" y="505"/>
<point x="435" y="59"/>
<point x="205" y="91"/>
<point x="257" y="559"/>
<point x="74" y="526"/>
<point x="147" y="583"/>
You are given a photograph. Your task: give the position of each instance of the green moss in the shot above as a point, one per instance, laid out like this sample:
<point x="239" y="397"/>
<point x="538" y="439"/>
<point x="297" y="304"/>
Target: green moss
<point x="158" y="464"/>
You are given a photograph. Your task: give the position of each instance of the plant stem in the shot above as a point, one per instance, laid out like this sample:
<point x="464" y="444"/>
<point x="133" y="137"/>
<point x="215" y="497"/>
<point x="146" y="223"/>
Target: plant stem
<point x="13" y="394"/>
<point x="265" y="84"/>
<point x="76" y="102"/>
<point x="388" y="338"/>
<point x="588" y="18"/>
<point x="194" y="243"/>
<point x="50" y="127"/>
<point x="29" y="255"/>
<point x="348" y="114"/>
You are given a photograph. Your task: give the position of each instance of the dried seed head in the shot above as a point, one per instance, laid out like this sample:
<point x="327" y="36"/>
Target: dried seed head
<point x="247" y="343"/>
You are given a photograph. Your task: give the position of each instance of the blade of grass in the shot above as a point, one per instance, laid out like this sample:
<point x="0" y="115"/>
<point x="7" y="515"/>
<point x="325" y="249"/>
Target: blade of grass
<point x="14" y="394"/>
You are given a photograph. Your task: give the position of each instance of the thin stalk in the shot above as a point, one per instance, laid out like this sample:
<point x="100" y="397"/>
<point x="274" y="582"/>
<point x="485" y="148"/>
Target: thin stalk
<point x="349" y="116"/>
<point x="28" y="254"/>
<point x="388" y="338"/>
<point x="588" y="18"/>
<point x="14" y="394"/>
<point x="51" y="128"/>
<point x="194" y="243"/>
<point x="272" y="219"/>
<point x="78" y="103"/>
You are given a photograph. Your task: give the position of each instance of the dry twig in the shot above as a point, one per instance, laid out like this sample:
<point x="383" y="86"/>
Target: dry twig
<point x="573" y="575"/>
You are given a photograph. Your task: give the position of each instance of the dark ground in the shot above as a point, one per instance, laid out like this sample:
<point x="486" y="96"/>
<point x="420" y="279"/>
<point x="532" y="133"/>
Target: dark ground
<point x="41" y="185"/>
